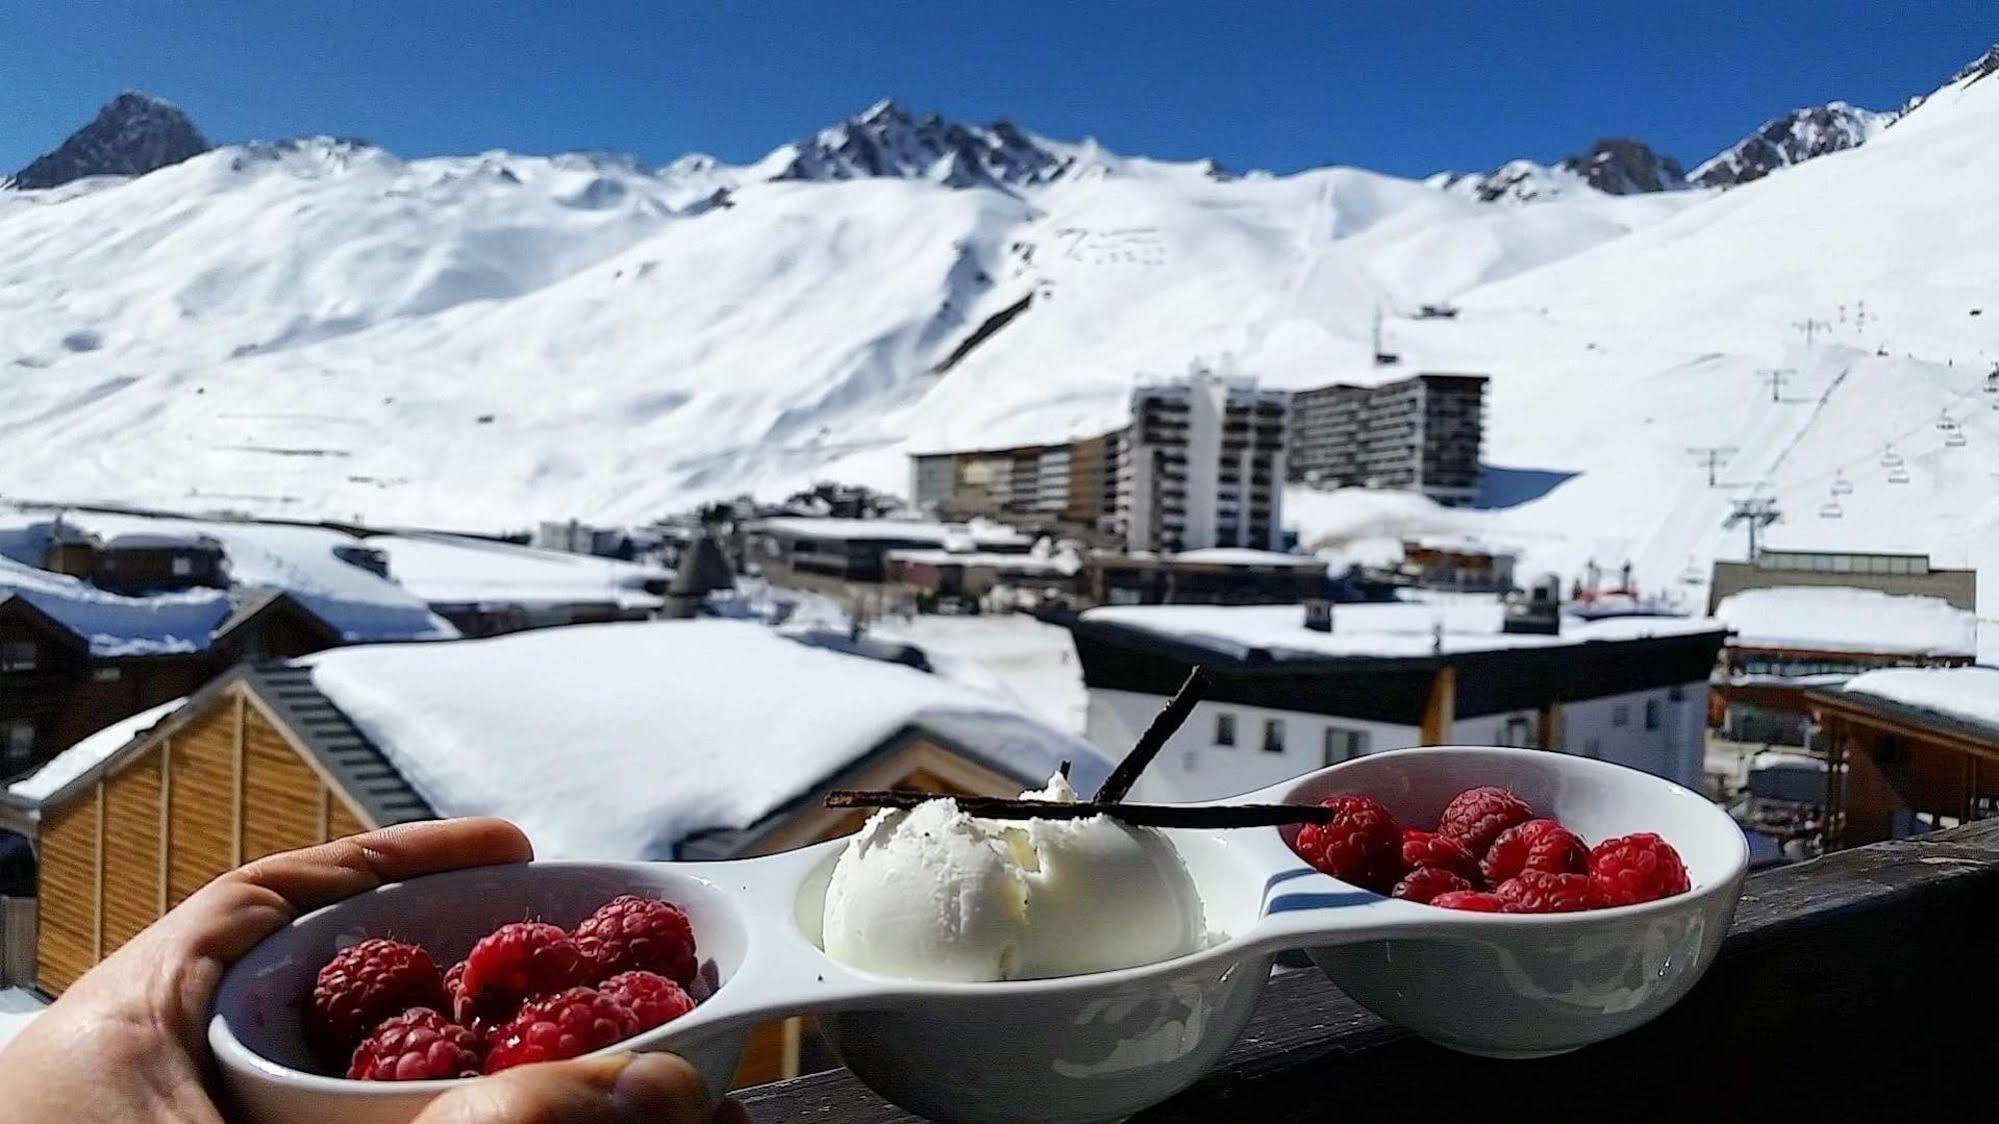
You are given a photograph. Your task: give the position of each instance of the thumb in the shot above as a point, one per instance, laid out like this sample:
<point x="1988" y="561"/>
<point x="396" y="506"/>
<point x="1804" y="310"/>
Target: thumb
<point x="621" y="1089"/>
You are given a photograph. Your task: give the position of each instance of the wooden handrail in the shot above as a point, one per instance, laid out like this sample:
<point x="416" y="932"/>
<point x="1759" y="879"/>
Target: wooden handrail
<point x="1860" y="986"/>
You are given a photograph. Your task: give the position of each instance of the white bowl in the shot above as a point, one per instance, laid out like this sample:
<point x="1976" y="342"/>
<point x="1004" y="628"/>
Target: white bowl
<point x="256" y="1027"/>
<point x="1078" y="1048"/>
<point x="1513" y="985"/>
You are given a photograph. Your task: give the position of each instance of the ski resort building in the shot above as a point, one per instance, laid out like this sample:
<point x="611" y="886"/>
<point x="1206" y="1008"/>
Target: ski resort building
<point x="1201" y="464"/>
<point x="1901" y="574"/>
<point x="1908" y="750"/>
<point x="797" y="549"/>
<point x="1424" y="433"/>
<point x="1786" y="641"/>
<point x="1214" y="576"/>
<point x="648" y="741"/>
<point x="1287" y="697"/>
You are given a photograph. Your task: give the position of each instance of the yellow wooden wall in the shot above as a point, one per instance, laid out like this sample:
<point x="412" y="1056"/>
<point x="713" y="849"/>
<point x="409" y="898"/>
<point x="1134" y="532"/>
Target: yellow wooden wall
<point x="203" y="798"/>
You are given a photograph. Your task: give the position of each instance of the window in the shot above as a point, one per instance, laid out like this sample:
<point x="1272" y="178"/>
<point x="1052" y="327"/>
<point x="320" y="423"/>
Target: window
<point x="1652" y="714"/>
<point x="1224" y="728"/>
<point x="183" y="566"/>
<point x="17" y="655"/>
<point x="1620" y="715"/>
<point x="1273" y="735"/>
<point x="1344" y="745"/>
<point x="106" y="674"/>
<point x="1516" y="731"/>
<point x="19" y="747"/>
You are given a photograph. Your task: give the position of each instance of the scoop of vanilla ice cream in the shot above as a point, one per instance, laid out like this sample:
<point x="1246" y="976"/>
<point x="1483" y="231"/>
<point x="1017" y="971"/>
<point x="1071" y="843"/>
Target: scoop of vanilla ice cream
<point x="933" y="893"/>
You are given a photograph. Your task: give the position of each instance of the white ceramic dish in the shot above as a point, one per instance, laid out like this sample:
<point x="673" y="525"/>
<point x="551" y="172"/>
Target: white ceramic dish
<point x="1078" y="1048"/>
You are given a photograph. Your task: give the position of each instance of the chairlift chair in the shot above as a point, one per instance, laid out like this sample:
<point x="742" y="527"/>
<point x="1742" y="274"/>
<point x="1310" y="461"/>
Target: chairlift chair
<point x="1956" y="439"/>
<point x="1891" y="458"/>
<point x="1831" y="510"/>
<point x="1898" y="476"/>
<point x="1841" y="486"/>
<point x="1945" y="423"/>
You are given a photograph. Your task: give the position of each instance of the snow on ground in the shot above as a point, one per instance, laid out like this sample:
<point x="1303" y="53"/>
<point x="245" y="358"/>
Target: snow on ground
<point x="1013" y="654"/>
<point x="87" y="754"/>
<point x="447" y="569"/>
<point x="1386" y="630"/>
<point x="1970" y="694"/>
<point x="617" y="741"/>
<point x="116" y="625"/>
<point x="304" y="562"/>
<point x="1832" y="619"/>
<point x="18" y="1006"/>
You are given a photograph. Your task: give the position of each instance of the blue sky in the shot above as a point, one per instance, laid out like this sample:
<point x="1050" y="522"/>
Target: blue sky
<point x="1400" y="87"/>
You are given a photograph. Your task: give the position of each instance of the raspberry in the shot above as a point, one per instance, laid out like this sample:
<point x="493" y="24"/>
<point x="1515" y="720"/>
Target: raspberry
<point x="417" y="1045"/>
<point x="634" y="934"/>
<point x="1535" y="845"/>
<point x="1360" y="844"/>
<point x="652" y="998"/>
<point x="1637" y="868"/>
<point x="1426" y="882"/>
<point x="568" y="1025"/>
<point x="1471" y="900"/>
<point x="1476" y="816"/>
<point x="1537" y="891"/>
<point x="524" y="960"/>
<point x="364" y="984"/>
<point x="1427" y="848"/>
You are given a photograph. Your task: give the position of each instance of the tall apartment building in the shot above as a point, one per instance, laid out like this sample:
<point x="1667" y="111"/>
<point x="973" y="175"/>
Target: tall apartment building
<point x="1200" y="464"/>
<point x="1204" y="465"/>
<point x="1422" y="433"/>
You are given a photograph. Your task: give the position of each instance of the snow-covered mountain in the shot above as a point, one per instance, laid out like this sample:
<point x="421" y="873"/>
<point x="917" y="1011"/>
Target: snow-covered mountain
<point x="886" y="141"/>
<point x="133" y="134"/>
<point x="1797" y="136"/>
<point x="1611" y="166"/>
<point x="317" y="327"/>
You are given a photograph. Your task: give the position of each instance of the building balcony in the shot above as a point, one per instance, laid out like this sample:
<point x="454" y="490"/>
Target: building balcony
<point x="1864" y="975"/>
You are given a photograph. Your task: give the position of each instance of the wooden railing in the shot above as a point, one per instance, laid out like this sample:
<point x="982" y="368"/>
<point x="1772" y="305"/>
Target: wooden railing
<point x="1860" y="986"/>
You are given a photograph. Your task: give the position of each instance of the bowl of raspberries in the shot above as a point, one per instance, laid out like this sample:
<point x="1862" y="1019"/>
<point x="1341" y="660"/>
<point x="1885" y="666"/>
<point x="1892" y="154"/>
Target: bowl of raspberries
<point x="364" y="1010"/>
<point x="1552" y="900"/>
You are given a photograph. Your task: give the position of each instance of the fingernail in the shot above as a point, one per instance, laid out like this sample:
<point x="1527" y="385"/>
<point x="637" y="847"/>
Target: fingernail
<point x="645" y="1086"/>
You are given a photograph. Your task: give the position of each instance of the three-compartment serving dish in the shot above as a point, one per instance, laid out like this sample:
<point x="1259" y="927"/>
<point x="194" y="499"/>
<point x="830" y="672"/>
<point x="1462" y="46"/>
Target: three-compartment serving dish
<point x="1075" y="1048"/>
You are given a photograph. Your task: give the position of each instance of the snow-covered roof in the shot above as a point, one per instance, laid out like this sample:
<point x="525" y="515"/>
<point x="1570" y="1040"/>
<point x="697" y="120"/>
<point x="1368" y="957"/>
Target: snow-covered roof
<point x="87" y="754"/>
<point x="18" y="1006"/>
<point x="1375" y="630"/>
<point x="1961" y="694"/>
<point x="896" y="530"/>
<point x="1462" y="544"/>
<point x="115" y="625"/>
<point x="450" y="569"/>
<point x="1839" y="619"/>
<point x="619" y="741"/>
<point x="362" y="605"/>
<point x="159" y="540"/>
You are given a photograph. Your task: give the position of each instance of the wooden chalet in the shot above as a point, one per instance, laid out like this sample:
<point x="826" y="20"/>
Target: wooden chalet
<point x="1899" y="767"/>
<point x="54" y="690"/>
<point x="134" y="564"/>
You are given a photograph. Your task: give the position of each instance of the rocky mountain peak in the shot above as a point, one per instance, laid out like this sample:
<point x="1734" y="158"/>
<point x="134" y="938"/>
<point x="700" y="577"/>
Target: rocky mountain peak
<point x="133" y="134"/>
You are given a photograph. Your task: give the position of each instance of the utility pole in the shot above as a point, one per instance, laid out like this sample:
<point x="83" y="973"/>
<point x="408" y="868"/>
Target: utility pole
<point x="1776" y="377"/>
<point x="1714" y="456"/>
<point x="1756" y="512"/>
<point x="1811" y="328"/>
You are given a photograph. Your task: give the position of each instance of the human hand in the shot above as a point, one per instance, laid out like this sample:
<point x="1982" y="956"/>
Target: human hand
<point x="127" y="1042"/>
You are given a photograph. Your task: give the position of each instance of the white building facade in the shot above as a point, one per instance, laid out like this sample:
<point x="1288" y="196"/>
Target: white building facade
<point x="1275" y="713"/>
